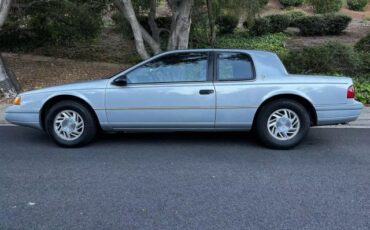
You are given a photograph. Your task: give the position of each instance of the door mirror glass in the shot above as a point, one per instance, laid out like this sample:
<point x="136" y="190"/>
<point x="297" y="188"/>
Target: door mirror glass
<point x="120" y="81"/>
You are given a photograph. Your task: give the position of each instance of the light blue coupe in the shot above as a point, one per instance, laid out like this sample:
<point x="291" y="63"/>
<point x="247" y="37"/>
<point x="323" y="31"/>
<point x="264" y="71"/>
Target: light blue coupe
<point x="192" y="90"/>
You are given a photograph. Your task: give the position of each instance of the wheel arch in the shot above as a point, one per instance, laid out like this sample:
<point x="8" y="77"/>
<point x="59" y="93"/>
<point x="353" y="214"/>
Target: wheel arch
<point x="298" y="98"/>
<point x="55" y="99"/>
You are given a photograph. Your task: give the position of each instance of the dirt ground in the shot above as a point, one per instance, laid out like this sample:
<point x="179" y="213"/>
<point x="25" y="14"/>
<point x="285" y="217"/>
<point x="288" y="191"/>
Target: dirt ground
<point x="34" y="72"/>
<point x="110" y="47"/>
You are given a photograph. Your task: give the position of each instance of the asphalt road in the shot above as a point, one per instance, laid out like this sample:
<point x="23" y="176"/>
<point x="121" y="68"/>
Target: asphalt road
<point x="185" y="181"/>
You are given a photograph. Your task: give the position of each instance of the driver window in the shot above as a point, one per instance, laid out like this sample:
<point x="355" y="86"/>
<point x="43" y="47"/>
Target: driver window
<point x="179" y="67"/>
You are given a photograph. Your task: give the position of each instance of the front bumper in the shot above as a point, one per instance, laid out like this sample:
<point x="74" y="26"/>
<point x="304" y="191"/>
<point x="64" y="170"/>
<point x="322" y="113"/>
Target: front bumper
<point x="338" y="114"/>
<point x="23" y="118"/>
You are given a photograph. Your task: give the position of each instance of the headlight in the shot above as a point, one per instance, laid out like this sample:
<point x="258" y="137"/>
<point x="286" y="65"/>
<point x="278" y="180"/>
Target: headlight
<point x="17" y="100"/>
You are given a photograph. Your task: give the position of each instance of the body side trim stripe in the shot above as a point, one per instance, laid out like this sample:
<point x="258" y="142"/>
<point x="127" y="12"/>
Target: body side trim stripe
<point x="176" y="107"/>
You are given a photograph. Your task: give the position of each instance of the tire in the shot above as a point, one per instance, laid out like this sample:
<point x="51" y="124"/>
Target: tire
<point x="76" y="124"/>
<point x="285" y="115"/>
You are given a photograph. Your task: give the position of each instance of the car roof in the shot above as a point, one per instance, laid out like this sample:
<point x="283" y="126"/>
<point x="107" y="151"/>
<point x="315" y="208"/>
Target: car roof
<point x="250" y="51"/>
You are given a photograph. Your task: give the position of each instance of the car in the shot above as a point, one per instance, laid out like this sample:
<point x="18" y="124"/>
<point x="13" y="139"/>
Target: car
<point x="192" y="90"/>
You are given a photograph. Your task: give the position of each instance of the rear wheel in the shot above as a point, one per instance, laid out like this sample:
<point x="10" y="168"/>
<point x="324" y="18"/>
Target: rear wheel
<point x="282" y="124"/>
<point x="70" y="124"/>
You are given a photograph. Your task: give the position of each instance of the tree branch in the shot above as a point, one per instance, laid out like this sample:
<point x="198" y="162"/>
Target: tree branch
<point x="140" y="34"/>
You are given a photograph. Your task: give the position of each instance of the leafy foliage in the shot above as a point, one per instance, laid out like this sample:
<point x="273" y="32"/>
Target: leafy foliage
<point x="278" y="22"/>
<point x="260" y="27"/>
<point x="357" y="4"/>
<point x="294" y="15"/>
<point x="365" y="62"/>
<point x="326" y="6"/>
<point x="14" y="36"/>
<point x="272" y="42"/>
<point x="270" y="24"/>
<point x="226" y="24"/>
<point x="288" y="3"/>
<point x="329" y="24"/>
<point x="364" y="44"/>
<point x="329" y="58"/>
<point x="64" y="22"/>
<point x="362" y="86"/>
<point x="55" y="22"/>
<point x="263" y="2"/>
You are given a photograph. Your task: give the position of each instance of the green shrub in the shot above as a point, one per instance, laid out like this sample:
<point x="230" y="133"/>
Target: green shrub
<point x="52" y="22"/>
<point x="226" y="24"/>
<point x="271" y="42"/>
<point x="330" y="58"/>
<point x="288" y="3"/>
<point x="365" y="62"/>
<point x="357" y="4"/>
<point x="362" y="86"/>
<point x="263" y="2"/>
<point x="311" y="25"/>
<point x="364" y="44"/>
<point x="199" y="35"/>
<point x="326" y="6"/>
<point x="64" y="22"/>
<point x="295" y="15"/>
<point x="336" y="23"/>
<point x="14" y="36"/>
<point x="278" y="22"/>
<point x="330" y="24"/>
<point x="260" y="27"/>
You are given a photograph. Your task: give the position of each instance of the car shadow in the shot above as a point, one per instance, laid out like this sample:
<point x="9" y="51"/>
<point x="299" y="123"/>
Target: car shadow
<point x="27" y="136"/>
<point x="245" y="138"/>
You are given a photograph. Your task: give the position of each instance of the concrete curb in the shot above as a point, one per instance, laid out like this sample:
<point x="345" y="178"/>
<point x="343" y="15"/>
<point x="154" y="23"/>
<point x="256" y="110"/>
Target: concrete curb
<point x="362" y="122"/>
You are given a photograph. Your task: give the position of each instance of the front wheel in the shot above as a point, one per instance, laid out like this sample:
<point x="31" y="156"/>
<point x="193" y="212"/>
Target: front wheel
<point x="282" y="124"/>
<point x="70" y="124"/>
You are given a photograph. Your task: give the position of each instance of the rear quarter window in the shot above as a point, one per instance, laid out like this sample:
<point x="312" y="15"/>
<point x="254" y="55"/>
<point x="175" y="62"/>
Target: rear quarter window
<point x="234" y="67"/>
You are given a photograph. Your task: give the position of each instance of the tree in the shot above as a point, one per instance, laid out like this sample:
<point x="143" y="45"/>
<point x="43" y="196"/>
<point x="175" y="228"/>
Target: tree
<point x="213" y="11"/>
<point x="244" y="9"/>
<point x="179" y="32"/>
<point x="8" y="83"/>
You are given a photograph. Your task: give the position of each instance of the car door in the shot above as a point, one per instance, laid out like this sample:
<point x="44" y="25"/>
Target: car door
<point x="234" y="80"/>
<point x="173" y="91"/>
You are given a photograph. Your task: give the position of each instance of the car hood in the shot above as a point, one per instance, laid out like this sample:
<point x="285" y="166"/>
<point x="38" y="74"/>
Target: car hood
<point x="83" y="85"/>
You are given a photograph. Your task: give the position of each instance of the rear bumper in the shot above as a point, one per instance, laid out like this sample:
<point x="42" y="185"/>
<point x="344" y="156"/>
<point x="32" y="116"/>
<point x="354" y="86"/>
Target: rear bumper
<point x="29" y="119"/>
<point x="338" y="114"/>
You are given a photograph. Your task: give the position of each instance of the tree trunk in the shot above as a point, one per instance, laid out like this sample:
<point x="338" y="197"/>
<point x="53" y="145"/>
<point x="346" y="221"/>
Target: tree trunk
<point x="241" y="21"/>
<point x="8" y="83"/>
<point x="181" y="23"/>
<point x="212" y="24"/>
<point x="151" y="21"/>
<point x="4" y="10"/>
<point x="129" y="13"/>
<point x="140" y="34"/>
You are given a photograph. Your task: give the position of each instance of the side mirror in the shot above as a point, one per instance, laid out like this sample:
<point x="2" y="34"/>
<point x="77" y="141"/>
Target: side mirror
<point x="121" y="81"/>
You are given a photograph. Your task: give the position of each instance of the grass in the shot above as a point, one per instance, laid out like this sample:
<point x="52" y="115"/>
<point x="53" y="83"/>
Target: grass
<point x="271" y="42"/>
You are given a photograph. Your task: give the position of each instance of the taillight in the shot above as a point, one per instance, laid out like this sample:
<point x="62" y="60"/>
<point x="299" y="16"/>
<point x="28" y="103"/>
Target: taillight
<point x="351" y="92"/>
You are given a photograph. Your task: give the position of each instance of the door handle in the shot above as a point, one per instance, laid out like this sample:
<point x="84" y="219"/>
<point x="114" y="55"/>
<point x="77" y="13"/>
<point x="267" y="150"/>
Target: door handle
<point x="206" y="91"/>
